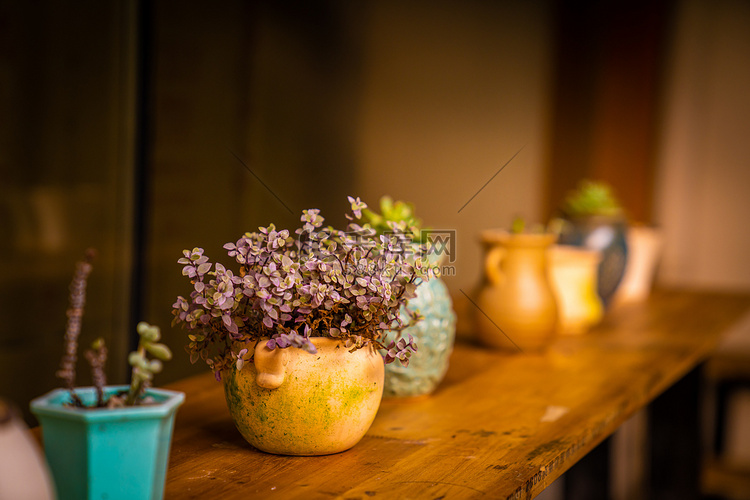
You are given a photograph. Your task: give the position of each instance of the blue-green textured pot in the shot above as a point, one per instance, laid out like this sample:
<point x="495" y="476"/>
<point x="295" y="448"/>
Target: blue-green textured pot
<point x="435" y="335"/>
<point x="107" y="453"/>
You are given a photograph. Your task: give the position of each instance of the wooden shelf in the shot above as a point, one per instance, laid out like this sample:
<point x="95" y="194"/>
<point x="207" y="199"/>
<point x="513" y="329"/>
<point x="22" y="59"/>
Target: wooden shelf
<point x="501" y="425"/>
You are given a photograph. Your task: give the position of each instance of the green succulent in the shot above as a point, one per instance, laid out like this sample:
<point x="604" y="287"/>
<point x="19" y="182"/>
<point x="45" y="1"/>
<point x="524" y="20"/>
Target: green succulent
<point x="519" y="226"/>
<point x="398" y="212"/>
<point x="591" y="198"/>
<point x="144" y="368"/>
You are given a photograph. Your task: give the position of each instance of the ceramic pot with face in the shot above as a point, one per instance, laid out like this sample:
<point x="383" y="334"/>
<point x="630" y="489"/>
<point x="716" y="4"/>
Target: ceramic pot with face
<point x="290" y="402"/>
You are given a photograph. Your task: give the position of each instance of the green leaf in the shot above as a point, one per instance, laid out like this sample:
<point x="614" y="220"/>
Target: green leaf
<point x="148" y="332"/>
<point x="155" y="366"/>
<point x="134" y="359"/>
<point x="159" y="351"/>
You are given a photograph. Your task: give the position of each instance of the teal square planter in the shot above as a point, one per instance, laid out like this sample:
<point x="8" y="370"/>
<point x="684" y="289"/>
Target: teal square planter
<point x="107" y="454"/>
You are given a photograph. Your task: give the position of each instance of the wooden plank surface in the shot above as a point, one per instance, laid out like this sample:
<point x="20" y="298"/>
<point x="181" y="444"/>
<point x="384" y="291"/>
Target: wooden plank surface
<point x="499" y="426"/>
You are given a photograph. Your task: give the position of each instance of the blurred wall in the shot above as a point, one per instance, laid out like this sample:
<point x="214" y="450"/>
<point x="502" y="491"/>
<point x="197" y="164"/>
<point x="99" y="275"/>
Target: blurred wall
<point x="253" y="113"/>
<point x="451" y="92"/>
<point x="609" y="60"/>
<point x="704" y="165"/>
<point x="67" y="110"/>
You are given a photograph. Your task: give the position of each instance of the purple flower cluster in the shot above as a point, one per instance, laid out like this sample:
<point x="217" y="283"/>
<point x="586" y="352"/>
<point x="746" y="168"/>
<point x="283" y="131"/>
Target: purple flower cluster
<point x="318" y="282"/>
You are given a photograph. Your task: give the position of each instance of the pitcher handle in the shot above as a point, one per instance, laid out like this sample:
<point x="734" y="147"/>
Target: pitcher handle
<point x="492" y="265"/>
<point x="270" y="365"/>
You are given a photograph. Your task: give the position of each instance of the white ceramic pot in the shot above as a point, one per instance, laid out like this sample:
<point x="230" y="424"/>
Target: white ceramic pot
<point x="23" y="471"/>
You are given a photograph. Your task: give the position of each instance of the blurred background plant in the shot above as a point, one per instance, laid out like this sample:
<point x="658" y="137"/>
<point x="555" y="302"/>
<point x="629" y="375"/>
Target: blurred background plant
<point x="591" y="198"/>
<point x="398" y="212"/>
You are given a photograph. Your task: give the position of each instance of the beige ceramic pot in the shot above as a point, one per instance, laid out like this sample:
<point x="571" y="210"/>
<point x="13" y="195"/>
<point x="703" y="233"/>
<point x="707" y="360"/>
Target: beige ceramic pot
<point x="23" y="471"/>
<point x="517" y="309"/>
<point x="573" y="272"/>
<point x="644" y="251"/>
<point x="291" y="402"/>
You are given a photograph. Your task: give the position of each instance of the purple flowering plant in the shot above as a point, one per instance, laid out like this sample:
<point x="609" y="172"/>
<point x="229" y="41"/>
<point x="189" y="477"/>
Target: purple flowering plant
<point x="318" y="282"/>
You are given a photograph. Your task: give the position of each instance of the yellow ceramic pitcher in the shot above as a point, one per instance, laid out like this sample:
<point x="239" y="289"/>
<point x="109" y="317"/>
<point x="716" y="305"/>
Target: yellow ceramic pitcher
<point x="517" y="309"/>
<point x="573" y="274"/>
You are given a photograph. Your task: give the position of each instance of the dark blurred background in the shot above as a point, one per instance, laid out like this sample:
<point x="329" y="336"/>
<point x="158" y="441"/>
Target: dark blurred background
<point x="143" y="128"/>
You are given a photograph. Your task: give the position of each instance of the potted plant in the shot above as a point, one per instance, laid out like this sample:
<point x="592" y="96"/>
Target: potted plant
<point x="107" y="441"/>
<point x="593" y="218"/>
<point x="294" y="331"/>
<point x="435" y="332"/>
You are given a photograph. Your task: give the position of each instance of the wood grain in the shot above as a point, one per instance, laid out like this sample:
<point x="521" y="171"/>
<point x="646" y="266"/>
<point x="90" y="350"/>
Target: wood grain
<point x="484" y="432"/>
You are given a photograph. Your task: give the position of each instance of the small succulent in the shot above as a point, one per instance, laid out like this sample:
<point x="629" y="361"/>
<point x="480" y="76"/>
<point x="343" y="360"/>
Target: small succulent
<point x="519" y="226"/>
<point x="287" y="287"/>
<point x="591" y="198"/>
<point x="143" y="369"/>
<point x="399" y="212"/>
